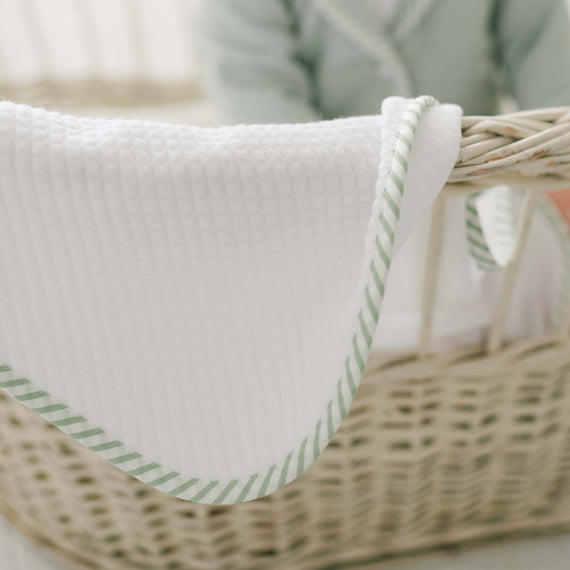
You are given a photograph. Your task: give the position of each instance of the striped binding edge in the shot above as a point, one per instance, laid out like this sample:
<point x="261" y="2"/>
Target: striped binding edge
<point x="502" y="231"/>
<point x="377" y="264"/>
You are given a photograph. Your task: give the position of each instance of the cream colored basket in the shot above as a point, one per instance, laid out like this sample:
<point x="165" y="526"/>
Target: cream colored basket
<point x="436" y="450"/>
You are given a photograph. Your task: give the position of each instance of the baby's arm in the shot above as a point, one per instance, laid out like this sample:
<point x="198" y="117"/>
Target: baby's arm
<point x="534" y="49"/>
<point x="249" y="62"/>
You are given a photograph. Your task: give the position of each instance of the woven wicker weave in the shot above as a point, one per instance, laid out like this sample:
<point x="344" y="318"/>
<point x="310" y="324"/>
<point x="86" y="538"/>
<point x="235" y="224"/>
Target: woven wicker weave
<point x="435" y="450"/>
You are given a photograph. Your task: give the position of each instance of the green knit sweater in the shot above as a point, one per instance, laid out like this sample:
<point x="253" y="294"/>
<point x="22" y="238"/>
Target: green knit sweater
<point x="304" y="60"/>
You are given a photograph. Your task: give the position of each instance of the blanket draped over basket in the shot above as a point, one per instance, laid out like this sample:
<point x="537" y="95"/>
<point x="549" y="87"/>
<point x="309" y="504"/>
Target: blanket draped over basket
<point x="240" y="291"/>
<point x="204" y="301"/>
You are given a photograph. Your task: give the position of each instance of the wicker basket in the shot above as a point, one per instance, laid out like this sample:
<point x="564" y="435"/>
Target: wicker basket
<point x="436" y="450"/>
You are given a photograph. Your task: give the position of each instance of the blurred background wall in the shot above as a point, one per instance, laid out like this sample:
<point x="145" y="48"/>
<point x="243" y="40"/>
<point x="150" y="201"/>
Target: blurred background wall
<point x="78" y="39"/>
<point x="104" y="57"/>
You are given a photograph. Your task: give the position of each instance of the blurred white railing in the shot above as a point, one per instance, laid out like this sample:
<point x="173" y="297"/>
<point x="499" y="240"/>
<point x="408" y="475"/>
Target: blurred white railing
<point x="105" y="52"/>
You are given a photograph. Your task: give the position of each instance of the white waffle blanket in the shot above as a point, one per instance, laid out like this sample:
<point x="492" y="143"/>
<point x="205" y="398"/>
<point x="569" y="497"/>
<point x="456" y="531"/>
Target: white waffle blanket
<point x="197" y="305"/>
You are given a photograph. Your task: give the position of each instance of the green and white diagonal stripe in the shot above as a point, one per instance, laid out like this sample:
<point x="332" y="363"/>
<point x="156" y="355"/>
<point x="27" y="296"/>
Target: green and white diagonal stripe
<point x="502" y="230"/>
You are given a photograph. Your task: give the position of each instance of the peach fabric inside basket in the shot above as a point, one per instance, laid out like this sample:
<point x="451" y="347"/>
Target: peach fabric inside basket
<point x="561" y="199"/>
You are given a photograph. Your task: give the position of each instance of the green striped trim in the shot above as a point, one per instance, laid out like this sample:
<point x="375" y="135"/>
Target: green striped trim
<point x="227" y="490"/>
<point x="503" y="230"/>
<point x="244" y="494"/>
<point x="181" y="489"/>
<point x="317" y="440"/>
<point x="163" y="479"/>
<point x="265" y="485"/>
<point x="12" y="383"/>
<point x="301" y="458"/>
<point x="204" y="491"/>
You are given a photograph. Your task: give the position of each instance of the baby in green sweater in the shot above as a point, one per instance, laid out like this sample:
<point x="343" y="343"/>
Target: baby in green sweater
<point x="305" y="60"/>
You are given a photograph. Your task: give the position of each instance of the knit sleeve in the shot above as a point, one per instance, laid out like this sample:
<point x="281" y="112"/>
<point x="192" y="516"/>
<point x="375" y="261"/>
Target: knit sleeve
<point x="250" y="64"/>
<point x="534" y="51"/>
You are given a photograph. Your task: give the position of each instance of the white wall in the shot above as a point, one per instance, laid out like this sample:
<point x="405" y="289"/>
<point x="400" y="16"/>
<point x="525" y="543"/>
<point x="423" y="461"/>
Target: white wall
<point x="79" y="38"/>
